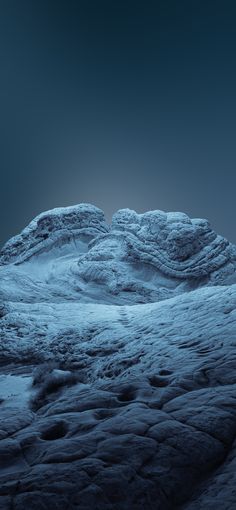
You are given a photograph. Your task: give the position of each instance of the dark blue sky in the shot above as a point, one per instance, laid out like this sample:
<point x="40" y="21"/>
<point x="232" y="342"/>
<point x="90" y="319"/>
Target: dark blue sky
<point x="118" y="103"/>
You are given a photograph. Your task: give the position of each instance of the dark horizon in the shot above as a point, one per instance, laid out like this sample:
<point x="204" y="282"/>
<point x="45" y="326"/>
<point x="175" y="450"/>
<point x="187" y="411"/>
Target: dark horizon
<point x="119" y="104"/>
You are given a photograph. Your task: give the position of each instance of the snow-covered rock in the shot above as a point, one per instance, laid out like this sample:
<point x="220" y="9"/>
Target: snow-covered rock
<point x="133" y="402"/>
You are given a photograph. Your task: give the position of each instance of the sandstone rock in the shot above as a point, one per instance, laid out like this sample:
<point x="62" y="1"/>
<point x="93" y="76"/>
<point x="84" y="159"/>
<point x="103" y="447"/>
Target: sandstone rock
<point x="129" y="334"/>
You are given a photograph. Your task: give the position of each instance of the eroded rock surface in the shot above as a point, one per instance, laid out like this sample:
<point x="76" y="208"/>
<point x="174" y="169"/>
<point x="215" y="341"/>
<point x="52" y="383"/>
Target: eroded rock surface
<point x="132" y="403"/>
<point x="57" y="227"/>
<point x="72" y="254"/>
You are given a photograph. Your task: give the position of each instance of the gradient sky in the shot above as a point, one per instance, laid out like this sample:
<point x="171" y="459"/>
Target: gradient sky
<point x="120" y="103"/>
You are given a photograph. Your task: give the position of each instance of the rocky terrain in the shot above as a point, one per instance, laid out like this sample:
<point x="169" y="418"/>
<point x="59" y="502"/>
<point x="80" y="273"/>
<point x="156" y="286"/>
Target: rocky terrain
<point x="117" y="363"/>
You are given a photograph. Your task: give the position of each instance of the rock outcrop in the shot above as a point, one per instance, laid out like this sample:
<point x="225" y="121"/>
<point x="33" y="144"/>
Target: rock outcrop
<point x="53" y="228"/>
<point x="126" y="336"/>
<point x="72" y="252"/>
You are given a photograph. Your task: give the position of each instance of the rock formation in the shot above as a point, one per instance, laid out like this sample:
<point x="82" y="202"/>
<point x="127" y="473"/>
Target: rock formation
<point x="122" y="339"/>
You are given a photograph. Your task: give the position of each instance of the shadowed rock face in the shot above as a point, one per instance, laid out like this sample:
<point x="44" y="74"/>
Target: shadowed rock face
<point x="123" y="340"/>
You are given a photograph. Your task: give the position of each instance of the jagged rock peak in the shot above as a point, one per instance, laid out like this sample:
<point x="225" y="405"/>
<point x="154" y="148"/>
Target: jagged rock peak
<point x="58" y="225"/>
